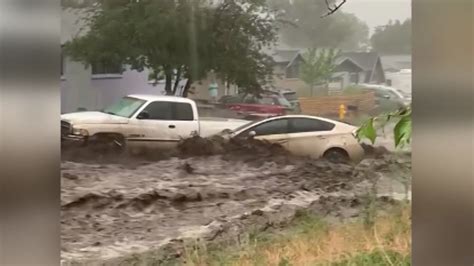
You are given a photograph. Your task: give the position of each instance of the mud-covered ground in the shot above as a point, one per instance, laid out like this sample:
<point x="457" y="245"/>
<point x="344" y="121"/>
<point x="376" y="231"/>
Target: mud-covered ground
<point x="127" y="205"/>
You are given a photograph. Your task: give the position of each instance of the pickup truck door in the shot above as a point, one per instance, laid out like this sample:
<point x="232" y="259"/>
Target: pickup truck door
<point x="164" y="124"/>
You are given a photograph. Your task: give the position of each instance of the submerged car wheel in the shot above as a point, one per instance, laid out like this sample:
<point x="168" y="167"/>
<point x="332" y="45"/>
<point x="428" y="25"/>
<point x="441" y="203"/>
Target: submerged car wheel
<point x="336" y="155"/>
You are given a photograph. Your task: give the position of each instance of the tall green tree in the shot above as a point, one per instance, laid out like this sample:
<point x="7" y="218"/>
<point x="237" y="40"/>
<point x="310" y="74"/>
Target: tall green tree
<point x="178" y="39"/>
<point x="393" y="38"/>
<point x="306" y="27"/>
<point x="318" y="67"/>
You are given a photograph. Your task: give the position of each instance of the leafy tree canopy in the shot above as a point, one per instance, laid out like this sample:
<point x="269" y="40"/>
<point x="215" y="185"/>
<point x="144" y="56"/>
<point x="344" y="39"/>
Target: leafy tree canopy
<point x="306" y="27"/>
<point x="318" y="66"/>
<point x="393" y="38"/>
<point x="181" y="39"/>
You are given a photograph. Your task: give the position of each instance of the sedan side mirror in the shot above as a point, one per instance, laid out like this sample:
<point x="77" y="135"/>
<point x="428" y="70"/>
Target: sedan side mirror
<point x="252" y="134"/>
<point x="143" y="115"/>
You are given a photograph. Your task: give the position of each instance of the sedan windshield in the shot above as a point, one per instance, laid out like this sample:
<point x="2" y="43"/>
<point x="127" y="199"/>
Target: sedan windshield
<point x="126" y="107"/>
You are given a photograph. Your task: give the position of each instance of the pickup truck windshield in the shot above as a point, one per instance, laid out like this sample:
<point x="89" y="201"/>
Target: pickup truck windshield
<point x="126" y="107"/>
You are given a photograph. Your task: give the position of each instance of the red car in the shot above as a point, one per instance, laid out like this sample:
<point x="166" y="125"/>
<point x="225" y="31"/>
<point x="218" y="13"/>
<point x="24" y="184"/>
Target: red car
<point x="250" y="106"/>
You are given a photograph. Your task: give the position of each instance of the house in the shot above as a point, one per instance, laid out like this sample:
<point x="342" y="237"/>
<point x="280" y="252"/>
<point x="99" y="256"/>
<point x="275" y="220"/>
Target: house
<point x="94" y="87"/>
<point x="361" y="67"/>
<point x="286" y="70"/>
<point x="352" y="68"/>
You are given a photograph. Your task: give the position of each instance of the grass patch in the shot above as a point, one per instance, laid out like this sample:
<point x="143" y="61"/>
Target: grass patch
<point x="311" y="241"/>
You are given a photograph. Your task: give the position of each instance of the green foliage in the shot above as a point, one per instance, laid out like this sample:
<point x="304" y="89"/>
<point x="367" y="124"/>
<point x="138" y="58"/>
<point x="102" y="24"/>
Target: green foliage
<point x="306" y="28"/>
<point x="367" y="130"/>
<point x="401" y="131"/>
<point x="393" y="38"/>
<point x="377" y="257"/>
<point x="178" y="39"/>
<point x="318" y="66"/>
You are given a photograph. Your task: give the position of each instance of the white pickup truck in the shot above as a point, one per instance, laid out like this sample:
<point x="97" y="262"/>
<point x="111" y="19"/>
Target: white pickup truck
<point x="142" y="120"/>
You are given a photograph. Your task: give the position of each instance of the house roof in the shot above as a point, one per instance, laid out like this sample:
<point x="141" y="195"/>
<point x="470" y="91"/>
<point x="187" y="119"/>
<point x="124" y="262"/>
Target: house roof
<point x="365" y="60"/>
<point x="285" y="56"/>
<point x="342" y="60"/>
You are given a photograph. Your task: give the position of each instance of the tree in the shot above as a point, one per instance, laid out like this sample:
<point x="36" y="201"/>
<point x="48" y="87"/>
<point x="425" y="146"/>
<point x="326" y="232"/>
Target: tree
<point x="318" y="67"/>
<point x="393" y="38"/>
<point x="306" y="27"/>
<point x="178" y="39"/>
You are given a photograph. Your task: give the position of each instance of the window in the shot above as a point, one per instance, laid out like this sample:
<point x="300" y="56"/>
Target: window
<point x="183" y="112"/>
<point x="170" y="111"/>
<point x="354" y="78"/>
<point x="273" y="127"/>
<point x="126" y="107"/>
<point x="290" y="96"/>
<point x="101" y="68"/>
<point x="159" y="111"/>
<point x="268" y="101"/>
<point x="298" y="125"/>
<point x="250" y="99"/>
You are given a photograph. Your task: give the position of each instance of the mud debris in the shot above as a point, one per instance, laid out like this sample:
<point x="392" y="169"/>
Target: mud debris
<point x="130" y="205"/>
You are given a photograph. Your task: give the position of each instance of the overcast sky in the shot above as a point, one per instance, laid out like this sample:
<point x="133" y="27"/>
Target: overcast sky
<point x="378" y="12"/>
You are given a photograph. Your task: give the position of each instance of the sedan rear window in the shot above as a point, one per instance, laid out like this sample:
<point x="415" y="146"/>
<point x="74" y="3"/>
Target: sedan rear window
<point x="299" y="125"/>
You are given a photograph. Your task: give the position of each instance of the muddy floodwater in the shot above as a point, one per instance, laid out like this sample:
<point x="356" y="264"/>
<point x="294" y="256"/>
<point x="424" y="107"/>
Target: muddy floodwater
<point x="112" y="210"/>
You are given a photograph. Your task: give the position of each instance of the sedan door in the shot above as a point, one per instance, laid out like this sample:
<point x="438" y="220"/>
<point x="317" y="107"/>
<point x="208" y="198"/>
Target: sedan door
<point x="309" y="136"/>
<point x="274" y="131"/>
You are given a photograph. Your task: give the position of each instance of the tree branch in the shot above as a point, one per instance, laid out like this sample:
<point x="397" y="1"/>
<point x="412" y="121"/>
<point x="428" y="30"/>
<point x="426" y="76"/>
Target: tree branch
<point x="332" y="10"/>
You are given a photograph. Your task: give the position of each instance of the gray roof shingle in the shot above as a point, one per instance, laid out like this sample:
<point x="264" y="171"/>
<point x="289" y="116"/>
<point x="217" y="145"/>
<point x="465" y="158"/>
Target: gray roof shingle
<point x="366" y="60"/>
<point x="284" y="56"/>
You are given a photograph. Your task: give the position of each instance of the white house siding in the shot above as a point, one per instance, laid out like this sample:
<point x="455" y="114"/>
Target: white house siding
<point x="80" y="89"/>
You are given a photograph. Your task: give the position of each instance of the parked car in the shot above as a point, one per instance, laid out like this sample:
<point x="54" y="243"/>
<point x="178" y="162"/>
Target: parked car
<point x="387" y="98"/>
<point x="290" y="97"/>
<point x="137" y="120"/>
<point x="250" y="105"/>
<point x="306" y="136"/>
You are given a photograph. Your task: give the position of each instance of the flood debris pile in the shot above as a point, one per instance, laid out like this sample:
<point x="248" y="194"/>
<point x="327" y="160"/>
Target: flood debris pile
<point x="189" y="147"/>
<point x="198" y="146"/>
<point x="111" y="210"/>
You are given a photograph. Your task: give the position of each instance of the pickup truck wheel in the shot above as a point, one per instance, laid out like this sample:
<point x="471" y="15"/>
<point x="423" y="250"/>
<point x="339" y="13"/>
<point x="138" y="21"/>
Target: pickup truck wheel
<point x="336" y="155"/>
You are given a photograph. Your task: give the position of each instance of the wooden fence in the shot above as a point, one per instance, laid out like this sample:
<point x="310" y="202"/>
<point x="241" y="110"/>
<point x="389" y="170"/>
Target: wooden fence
<point x="327" y="105"/>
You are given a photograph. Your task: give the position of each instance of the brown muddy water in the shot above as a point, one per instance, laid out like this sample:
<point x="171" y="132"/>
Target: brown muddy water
<point x="116" y="206"/>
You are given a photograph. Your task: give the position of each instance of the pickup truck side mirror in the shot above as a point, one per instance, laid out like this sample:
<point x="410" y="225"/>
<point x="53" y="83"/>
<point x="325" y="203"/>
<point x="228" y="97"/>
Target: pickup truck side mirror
<point x="143" y="115"/>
